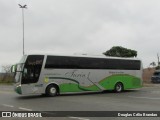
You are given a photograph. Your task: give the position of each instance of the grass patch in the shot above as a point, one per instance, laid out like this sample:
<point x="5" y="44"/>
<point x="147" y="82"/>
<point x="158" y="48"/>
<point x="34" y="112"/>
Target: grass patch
<point x="8" y="80"/>
<point x="3" y="83"/>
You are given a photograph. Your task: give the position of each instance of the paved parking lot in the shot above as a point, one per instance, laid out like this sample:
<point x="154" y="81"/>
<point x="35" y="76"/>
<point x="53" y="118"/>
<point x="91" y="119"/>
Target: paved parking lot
<point x="144" y="99"/>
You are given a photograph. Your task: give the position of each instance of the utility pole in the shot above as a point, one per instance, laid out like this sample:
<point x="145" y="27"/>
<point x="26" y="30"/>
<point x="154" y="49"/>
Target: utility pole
<point x="158" y="60"/>
<point x="23" y="6"/>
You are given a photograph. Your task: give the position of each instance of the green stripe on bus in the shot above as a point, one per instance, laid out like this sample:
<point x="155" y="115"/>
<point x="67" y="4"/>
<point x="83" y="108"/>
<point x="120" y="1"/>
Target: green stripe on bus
<point x="108" y="83"/>
<point x="72" y="87"/>
<point x="18" y="90"/>
<point x="128" y="81"/>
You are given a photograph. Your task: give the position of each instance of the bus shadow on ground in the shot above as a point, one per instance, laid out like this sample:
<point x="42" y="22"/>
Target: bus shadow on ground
<point x="98" y="93"/>
<point x="77" y="94"/>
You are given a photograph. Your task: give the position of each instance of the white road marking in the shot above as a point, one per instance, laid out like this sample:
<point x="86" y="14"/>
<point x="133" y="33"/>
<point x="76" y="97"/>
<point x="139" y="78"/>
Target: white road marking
<point x="79" y="118"/>
<point x="21" y="108"/>
<point x="6" y="105"/>
<point x="26" y="109"/>
<point x="151" y="98"/>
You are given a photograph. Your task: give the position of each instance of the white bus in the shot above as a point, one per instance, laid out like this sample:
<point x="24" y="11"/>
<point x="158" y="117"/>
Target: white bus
<point x="56" y="74"/>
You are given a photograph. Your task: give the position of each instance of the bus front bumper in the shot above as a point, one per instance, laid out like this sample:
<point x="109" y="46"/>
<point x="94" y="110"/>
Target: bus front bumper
<point x="18" y="89"/>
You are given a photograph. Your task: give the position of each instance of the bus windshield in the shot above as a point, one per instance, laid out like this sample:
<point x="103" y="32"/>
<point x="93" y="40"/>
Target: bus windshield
<point x="32" y="69"/>
<point x="17" y="77"/>
<point x="19" y="69"/>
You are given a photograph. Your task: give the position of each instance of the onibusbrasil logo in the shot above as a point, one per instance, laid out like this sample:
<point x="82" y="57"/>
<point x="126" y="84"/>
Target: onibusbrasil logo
<point x="21" y="114"/>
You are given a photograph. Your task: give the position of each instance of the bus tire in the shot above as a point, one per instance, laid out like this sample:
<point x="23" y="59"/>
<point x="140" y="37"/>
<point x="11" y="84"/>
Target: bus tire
<point x="118" y="87"/>
<point x="52" y="90"/>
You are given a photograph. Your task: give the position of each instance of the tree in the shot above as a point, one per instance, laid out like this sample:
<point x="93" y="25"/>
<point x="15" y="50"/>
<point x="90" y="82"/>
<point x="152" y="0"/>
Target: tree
<point x="118" y="51"/>
<point x="158" y="66"/>
<point x="7" y="77"/>
<point x="6" y="68"/>
<point x="152" y="64"/>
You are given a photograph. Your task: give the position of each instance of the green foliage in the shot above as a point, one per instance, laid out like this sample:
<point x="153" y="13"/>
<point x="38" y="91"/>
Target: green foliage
<point x="153" y="64"/>
<point x="118" y="51"/>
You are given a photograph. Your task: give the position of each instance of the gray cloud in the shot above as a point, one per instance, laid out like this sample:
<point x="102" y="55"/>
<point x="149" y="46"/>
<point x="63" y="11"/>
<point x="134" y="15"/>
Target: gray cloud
<point x="79" y="26"/>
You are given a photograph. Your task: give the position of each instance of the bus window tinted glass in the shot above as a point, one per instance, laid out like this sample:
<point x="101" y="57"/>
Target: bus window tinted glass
<point x="65" y="62"/>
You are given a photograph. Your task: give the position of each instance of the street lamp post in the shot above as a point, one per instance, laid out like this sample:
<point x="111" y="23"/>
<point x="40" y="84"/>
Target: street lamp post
<point x="23" y="6"/>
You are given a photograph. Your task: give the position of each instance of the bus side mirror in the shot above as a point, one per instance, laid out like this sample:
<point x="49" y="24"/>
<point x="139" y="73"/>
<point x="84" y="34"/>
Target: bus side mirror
<point x="13" y="68"/>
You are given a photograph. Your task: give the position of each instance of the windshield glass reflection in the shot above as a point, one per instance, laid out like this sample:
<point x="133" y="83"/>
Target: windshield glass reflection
<point x="19" y="69"/>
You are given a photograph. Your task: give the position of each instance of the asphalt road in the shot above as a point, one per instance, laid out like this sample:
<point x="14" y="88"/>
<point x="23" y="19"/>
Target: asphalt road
<point x="144" y="99"/>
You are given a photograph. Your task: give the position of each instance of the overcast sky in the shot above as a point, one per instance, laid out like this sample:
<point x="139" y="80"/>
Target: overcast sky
<point x="79" y="26"/>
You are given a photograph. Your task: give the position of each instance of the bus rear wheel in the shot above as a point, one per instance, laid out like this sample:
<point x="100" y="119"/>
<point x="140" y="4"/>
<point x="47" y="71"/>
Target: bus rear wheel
<point x="118" y="87"/>
<point x="51" y="90"/>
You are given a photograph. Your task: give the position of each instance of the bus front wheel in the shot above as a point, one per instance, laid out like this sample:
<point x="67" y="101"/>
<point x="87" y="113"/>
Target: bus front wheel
<point x="118" y="87"/>
<point x="51" y="90"/>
